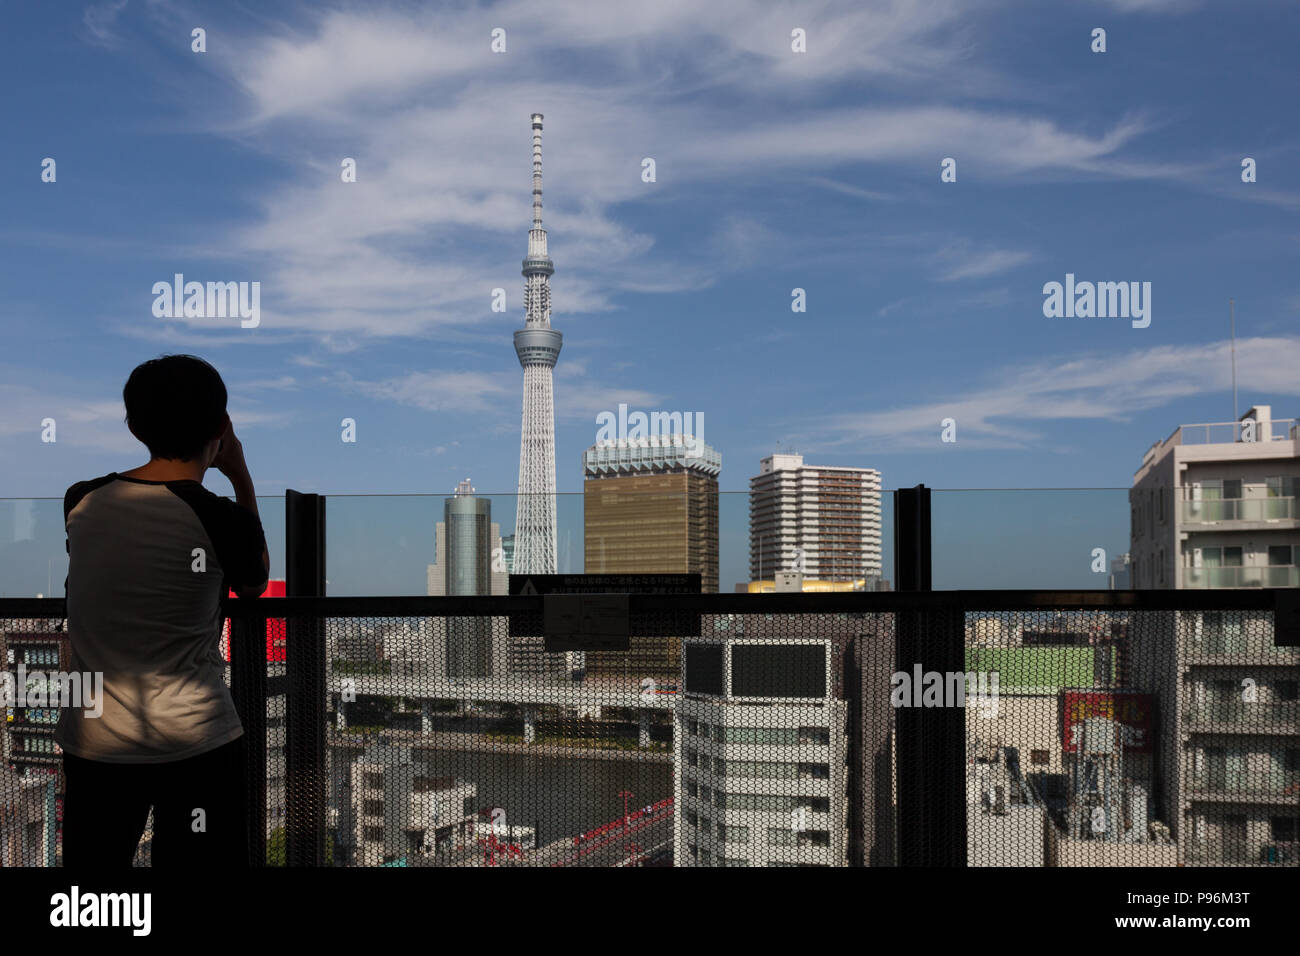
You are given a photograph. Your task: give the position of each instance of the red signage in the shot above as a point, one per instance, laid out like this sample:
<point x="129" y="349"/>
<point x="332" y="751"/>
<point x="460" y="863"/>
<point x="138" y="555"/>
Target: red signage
<point x="1134" y="712"/>
<point x="275" y="628"/>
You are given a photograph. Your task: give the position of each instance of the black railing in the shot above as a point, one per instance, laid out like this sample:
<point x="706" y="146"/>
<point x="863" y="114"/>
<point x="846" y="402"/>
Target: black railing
<point x="868" y="783"/>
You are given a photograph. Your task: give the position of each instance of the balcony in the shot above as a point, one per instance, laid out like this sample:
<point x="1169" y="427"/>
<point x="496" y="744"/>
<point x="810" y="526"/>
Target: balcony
<point x="1259" y="576"/>
<point x="1280" y="788"/>
<point x="1237" y="716"/>
<point x="1222" y="853"/>
<point x="1229" y="510"/>
<point x="1225" y="433"/>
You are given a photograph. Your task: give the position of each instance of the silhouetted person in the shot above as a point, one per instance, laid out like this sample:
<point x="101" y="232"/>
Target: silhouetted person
<point x="151" y="552"/>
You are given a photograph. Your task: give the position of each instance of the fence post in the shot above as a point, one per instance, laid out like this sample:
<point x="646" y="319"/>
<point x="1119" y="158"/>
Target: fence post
<point x="248" y="688"/>
<point x="931" y="810"/>
<point x="305" y="763"/>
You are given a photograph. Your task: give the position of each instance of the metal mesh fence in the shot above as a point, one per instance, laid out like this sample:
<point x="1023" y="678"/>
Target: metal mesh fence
<point x="1046" y="736"/>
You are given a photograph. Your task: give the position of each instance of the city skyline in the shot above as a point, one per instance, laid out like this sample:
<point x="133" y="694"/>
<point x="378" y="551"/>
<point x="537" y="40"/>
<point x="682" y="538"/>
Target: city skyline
<point x="677" y="291"/>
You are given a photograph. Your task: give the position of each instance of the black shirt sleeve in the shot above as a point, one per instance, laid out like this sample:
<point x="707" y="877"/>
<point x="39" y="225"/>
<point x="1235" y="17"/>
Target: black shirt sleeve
<point x="236" y="533"/>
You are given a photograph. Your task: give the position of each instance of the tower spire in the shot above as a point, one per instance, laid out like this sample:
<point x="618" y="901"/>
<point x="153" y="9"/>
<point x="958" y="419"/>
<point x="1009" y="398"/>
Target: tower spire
<point x="537" y="170"/>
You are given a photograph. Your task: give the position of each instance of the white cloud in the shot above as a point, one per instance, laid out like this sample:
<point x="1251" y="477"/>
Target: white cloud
<point x="438" y="126"/>
<point x="964" y="263"/>
<point x="1100" y="387"/>
<point x="99" y="19"/>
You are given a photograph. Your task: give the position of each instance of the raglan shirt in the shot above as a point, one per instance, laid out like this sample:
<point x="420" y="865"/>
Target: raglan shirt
<point x="148" y="563"/>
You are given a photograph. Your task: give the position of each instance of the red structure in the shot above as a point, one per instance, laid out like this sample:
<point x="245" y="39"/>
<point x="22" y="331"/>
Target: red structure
<point x="1135" y="711"/>
<point x="275" y="628"/>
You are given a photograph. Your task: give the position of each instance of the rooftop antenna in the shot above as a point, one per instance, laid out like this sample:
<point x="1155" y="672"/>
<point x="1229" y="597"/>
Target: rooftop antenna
<point x="1232" y="319"/>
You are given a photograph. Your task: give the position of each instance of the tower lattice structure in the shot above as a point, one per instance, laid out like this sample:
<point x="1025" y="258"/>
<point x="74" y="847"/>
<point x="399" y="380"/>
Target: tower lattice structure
<point x="538" y="348"/>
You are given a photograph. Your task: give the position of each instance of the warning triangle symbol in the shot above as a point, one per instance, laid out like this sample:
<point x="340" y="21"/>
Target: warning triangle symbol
<point x="528" y="587"/>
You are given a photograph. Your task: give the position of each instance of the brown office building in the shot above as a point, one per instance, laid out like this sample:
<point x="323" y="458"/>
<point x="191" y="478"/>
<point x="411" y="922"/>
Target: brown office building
<point x="650" y="506"/>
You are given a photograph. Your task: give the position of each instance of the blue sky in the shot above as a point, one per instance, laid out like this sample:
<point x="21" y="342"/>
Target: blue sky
<point x="775" y="171"/>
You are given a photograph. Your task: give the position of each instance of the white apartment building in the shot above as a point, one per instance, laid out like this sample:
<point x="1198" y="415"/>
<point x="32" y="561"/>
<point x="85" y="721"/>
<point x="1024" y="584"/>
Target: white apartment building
<point x="825" y="518"/>
<point x="1214" y="506"/>
<point x="398" y="810"/>
<point x="1211" y="510"/>
<point x="760" y="748"/>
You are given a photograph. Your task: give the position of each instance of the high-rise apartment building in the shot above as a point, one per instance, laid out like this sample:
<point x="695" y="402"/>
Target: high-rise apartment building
<point x="821" y="521"/>
<point x="1215" y="506"/>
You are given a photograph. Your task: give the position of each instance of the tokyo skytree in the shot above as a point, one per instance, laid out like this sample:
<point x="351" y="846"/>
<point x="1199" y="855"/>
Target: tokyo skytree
<point x="538" y="347"/>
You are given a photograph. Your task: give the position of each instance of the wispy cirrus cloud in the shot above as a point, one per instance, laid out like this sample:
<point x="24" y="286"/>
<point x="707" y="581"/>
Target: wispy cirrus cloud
<point x="966" y="263"/>
<point x="1008" y="414"/>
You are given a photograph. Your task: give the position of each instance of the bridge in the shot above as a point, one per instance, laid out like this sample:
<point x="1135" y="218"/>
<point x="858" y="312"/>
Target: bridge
<point x="631" y="840"/>
<point x="590" y="696"/>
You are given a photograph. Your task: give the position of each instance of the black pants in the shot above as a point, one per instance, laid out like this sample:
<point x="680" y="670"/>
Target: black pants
<point x="106" y="806"/>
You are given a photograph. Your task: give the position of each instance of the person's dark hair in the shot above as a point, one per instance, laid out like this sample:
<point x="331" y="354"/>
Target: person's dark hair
<point x="175" y="404"/>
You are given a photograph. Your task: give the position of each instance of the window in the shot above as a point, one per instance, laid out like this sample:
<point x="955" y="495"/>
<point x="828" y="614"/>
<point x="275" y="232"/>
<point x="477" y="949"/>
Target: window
<point x="814" y="735"/>
<point x="814" y="771"/>
<point x="733" y="834"/>
<point x="1283" y="829"/>
<point x="732" y="861"/>
<point x="814" y="838"/>
<point x="1286" y="690"/>
<point x="760" y="768"/>
<point x="1281" y="486"/>
<point x="1221" y="557"/>
<point x="372" y="808"/>
<point x="1039" y="758"/>
<point x="816" y="804"/>
<point x="1279" y="554"/>
<point x="756" y="801"/>
<point x="375" y="781"/>
<point x="373" y="834"/>
<point x="778" y="836"/>
<point x="782" y="736"/>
